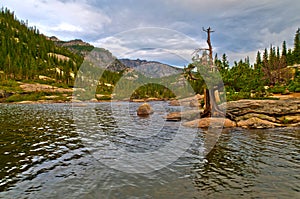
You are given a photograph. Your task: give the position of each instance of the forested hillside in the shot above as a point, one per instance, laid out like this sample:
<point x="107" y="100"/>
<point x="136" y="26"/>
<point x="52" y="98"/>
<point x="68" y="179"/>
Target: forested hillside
<point x="28" y="55"/>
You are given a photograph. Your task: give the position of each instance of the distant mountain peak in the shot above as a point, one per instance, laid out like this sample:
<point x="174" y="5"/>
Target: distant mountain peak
<point x="53" y="38"/>
<point x="153" y="69"/>
<point x="75" y="42"/>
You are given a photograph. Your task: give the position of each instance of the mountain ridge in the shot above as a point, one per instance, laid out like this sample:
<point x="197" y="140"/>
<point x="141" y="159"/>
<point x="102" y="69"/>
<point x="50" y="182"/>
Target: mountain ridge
<point x="149" y="68"/>
<point x="153" y="69"/>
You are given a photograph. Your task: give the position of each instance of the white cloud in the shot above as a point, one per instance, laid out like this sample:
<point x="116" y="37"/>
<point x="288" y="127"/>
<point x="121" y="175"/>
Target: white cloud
<point x="151" y="43"/>
<point x="241" y="26"/>
<point x="237" y="56"/>
<point x="67" y="27"/>
<point x="267" y="37"/>
<point x="55" y="17"/>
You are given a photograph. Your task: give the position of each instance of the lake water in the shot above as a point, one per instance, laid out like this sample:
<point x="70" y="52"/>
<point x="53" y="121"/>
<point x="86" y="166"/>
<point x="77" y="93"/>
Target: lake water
<point x="65" y="151"/>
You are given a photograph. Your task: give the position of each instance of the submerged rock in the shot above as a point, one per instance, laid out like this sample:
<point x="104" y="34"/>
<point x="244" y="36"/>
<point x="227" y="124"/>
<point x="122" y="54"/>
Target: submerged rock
<point x="144" y="110"/>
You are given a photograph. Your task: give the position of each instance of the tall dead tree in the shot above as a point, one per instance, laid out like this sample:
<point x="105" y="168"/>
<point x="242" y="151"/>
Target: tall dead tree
<point x="212" y="78"/>
<point x="210" y="50"/>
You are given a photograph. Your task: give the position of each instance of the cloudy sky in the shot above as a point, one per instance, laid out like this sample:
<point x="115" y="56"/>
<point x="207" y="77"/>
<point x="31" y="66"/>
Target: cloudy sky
<point x="165" y="30"/>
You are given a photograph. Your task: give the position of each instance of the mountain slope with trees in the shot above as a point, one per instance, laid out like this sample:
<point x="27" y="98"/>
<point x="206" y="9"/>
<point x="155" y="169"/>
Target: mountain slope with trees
<point x="27" y="56"/>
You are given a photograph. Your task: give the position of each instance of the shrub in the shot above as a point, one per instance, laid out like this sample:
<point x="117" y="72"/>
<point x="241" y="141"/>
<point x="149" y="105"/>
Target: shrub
<point x="294" y="86"/>
<point x="277" y="89"/>
<point x="237" y="96"/>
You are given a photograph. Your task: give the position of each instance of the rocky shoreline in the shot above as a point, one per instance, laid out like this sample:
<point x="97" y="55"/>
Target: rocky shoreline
<point x="247" y="114"/>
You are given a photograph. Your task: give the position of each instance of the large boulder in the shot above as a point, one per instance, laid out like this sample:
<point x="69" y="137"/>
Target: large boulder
<point x="210" y="121"/>
<point x="144" y="110"/>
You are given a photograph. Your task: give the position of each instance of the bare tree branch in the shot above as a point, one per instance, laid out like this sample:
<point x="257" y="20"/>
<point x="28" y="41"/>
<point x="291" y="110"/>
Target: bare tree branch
<point x="188" y="71"/>
<point x="210" y="49"/>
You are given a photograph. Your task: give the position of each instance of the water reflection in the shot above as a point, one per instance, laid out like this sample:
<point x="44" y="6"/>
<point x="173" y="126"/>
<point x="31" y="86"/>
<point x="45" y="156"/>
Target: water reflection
<point x="43" y="155"/>
<point x="251" y="163"/>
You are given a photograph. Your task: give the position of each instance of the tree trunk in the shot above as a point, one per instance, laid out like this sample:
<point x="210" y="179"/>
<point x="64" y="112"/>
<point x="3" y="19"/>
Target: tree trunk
<point x="211" y="108"/>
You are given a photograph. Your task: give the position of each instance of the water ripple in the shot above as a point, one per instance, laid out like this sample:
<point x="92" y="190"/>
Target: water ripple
<point x="45" y="155"/>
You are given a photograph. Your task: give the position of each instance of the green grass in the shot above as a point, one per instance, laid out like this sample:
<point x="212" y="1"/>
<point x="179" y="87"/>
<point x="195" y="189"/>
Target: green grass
<point x="237" y="96"/>
<point x="104" y="98"/>
<point x="10" y="86"/>
<point x="35" y="96"/>
<point x="24" y="97"/>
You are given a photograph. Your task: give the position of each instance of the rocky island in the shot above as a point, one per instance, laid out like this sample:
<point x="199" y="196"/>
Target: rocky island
<point x="247" y="114"/>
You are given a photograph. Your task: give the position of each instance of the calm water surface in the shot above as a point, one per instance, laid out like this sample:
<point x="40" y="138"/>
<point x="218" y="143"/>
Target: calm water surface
<point x="44" y="154"/>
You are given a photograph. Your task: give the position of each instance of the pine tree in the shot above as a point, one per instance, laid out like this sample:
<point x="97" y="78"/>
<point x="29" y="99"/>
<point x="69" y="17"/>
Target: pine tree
<point x="258" y="62"/>
<point x="284" y="49"/>
<point x="225" y="62"/>
<point x="24" y="52"/>
<point x="283" y="59"/>
<point x="296" y="51"/>
<point x="265" y="56"/>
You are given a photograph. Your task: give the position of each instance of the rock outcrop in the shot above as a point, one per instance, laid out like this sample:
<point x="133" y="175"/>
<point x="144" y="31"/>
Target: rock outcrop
<point x="27" y="87"/>
<point x="265" y="113"/>
<point x="273" y="108"/>
<point x="249" y="114"/>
